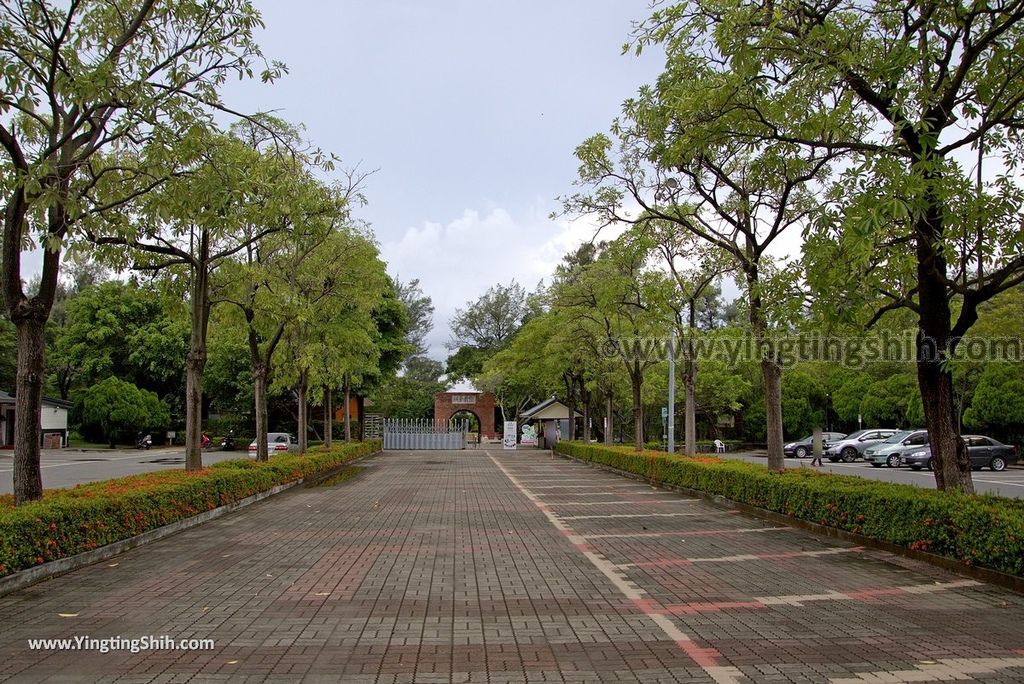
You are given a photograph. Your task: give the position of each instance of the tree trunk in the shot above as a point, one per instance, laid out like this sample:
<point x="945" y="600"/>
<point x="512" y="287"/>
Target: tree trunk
<point x="28" y="480"/>
<point x="636" y="380"/>
<point x="609" y="420"/>
<point x="195" y="362"/>
<point x="935" y="345"/>
<point x="328" y="417"/>
<point x="586" y="415"/>
<point x="303" y="427"/>
<point x="690" y="420"/>
<point x="771" y="371"/>
<point x="29" y="317"/>
<point x="689" y="384"/>
<point x="571" y="404"/>
<point x="348" y="409"/>
<point x="260" y="382"/>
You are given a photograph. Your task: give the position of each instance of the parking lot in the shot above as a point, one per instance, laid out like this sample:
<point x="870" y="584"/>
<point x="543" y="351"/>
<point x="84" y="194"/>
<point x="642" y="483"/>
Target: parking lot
<point x="68" y="467"/>
<point x="1009" y="483"/>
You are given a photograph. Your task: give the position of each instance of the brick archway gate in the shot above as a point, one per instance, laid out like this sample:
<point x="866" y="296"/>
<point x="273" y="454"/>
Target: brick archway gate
<point x="481" y="404"/>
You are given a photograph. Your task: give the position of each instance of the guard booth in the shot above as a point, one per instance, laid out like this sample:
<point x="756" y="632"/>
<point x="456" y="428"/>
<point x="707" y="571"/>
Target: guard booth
<point x="552" y="418"/>
<point x="404" y="434"/>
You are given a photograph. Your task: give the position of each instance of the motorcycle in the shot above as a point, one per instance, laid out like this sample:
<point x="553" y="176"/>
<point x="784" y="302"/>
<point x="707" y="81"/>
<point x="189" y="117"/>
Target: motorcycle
<point x="228" y="443"/>
<point x="143" y="441"/>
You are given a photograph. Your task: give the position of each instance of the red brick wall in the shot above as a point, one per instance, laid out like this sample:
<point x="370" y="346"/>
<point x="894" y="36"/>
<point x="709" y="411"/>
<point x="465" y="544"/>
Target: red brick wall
<point x="483" y="408"/>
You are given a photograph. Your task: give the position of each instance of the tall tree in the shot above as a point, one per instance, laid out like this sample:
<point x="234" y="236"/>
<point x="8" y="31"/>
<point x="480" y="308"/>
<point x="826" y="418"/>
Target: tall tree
<point x="910" y="92"/>
<point x="419" y="314"/>
<point x="194" y="224"/>
<point x="83" y="81"/>
<point x="686" y="155"/>
<point x="491" y="320"/>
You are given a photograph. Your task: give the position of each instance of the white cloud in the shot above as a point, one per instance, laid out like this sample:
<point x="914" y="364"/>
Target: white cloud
<point x="457" y="261"/>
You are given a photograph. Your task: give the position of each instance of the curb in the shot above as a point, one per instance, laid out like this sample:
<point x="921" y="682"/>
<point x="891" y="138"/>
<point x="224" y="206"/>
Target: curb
<point x="61" y="566"/>
<point x="1011" y="582"/>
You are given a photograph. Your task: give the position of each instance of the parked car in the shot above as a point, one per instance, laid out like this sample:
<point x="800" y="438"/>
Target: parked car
<point x="854" y="444"/>
<point x="985" y="452"/>
<point x="891" y="451"/>
<point x="802" y="448"/>
<point x="278" y="442"/>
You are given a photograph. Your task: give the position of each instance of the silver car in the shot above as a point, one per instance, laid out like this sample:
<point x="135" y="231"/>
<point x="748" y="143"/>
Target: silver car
<point x="853" y="446"/>
<point x="278" y="442"/>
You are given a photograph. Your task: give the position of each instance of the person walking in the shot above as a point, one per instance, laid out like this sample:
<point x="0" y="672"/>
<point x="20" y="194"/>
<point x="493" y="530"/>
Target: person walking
<point x="816" y="461"/>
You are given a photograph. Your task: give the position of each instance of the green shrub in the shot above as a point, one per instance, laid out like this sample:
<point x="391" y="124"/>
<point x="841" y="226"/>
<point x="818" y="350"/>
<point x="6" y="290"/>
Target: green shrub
<point x="66" y="522"/>
<point x="986" y="531"/>
<point x="115" y="411"/>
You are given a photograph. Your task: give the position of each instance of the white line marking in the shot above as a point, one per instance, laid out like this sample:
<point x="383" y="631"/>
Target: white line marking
<point x="608" y="503"/>
<point x="722" y="675"/>
<point x="629" y="515"/>
<point x="944" y="669"/>
<point x="682" y="534"/>
<point x="753" y="557"/>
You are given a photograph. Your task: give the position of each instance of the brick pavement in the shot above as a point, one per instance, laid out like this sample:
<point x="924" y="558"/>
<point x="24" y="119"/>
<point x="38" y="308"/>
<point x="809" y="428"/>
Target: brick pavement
<point x="496" y="567"/>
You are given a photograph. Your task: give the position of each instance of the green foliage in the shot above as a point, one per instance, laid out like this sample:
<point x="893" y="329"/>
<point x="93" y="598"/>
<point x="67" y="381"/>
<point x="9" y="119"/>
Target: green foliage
<point x="115" y="411"/>
<point x="987" y="531"/>
<point x="126" y="331"/>
<point x="847" y="398"/>
<point x="492" y="319"/>
<point x="803" y="402"/>
<point x="892" y="402"/>
<point x="8" y="353"/>
<point x="410" y="395"/>
<point x="466" y="362"/>
<point x="71" y="521"/>
<point x="998" y="401"/>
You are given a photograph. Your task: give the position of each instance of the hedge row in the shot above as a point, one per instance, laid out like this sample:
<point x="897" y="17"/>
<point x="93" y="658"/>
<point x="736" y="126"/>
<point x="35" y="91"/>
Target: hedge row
<point x="986" y="531"/>
<point x="66" y="522"/>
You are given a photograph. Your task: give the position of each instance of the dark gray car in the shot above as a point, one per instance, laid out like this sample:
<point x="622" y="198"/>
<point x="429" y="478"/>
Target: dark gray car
<point x="985" y="452"/>
<point x="852" y="447"/>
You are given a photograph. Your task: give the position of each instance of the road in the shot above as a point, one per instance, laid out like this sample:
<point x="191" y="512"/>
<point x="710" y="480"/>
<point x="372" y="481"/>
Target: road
<point x="1008" y="483"/>
<point x="68" y="467"/>
<point x="488" y="566"/>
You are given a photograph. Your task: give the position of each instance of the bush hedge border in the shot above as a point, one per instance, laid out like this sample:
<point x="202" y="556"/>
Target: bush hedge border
<point x="70" y="528"/>
<point x="981" y="535"/>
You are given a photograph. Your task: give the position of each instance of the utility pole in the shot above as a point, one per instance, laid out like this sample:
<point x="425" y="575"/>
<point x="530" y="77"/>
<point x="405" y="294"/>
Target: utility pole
<point x="672" y="391"/>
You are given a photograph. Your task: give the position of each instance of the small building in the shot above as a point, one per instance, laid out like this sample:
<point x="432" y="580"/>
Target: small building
<point x="53" y="419"/>
<point x="553" y="417"/>
<point x="465" y="401"/>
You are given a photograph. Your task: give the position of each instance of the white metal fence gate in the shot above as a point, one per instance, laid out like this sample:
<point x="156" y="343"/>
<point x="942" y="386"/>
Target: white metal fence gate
<point x="407" y="433"/>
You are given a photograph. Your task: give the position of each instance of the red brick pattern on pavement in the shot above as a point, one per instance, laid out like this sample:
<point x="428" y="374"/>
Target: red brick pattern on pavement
<point x="480" y="566"/>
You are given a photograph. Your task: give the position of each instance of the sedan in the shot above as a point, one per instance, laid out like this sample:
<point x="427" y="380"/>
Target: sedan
<point x="853" y="445"/>
<point x="985" y="452"/>
<point x="891" y="451"/>
<point x="802" y="448"/>
<point x="278" y="442"/>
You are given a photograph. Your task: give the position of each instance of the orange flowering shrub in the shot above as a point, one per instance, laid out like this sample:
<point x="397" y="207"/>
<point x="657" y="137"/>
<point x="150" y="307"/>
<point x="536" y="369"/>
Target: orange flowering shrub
<point x="69" y="521"/>
<point x="978" y="530"/>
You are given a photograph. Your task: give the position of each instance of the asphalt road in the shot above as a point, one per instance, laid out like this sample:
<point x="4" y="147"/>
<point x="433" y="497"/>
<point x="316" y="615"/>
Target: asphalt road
<point x="68" y="467"/>
<point x="1008" y="483"/>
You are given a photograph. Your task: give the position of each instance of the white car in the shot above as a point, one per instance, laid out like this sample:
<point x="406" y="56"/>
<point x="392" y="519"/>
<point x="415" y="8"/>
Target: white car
<point x="277" y="442"/>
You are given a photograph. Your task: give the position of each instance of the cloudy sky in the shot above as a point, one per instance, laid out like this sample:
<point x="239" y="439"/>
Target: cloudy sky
<point x="470" y="109"/>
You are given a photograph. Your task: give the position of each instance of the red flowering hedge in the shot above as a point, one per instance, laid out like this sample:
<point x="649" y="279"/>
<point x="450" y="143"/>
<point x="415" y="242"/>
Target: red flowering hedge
<point x="986" y="531"/>
<point x="66" y="522"/>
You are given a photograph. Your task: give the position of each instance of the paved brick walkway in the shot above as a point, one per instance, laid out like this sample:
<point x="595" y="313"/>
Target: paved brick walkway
<point x="492" y="567"/>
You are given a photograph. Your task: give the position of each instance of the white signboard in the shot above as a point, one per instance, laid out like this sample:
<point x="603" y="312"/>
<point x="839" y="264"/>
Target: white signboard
<point x="509" y="438"/>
